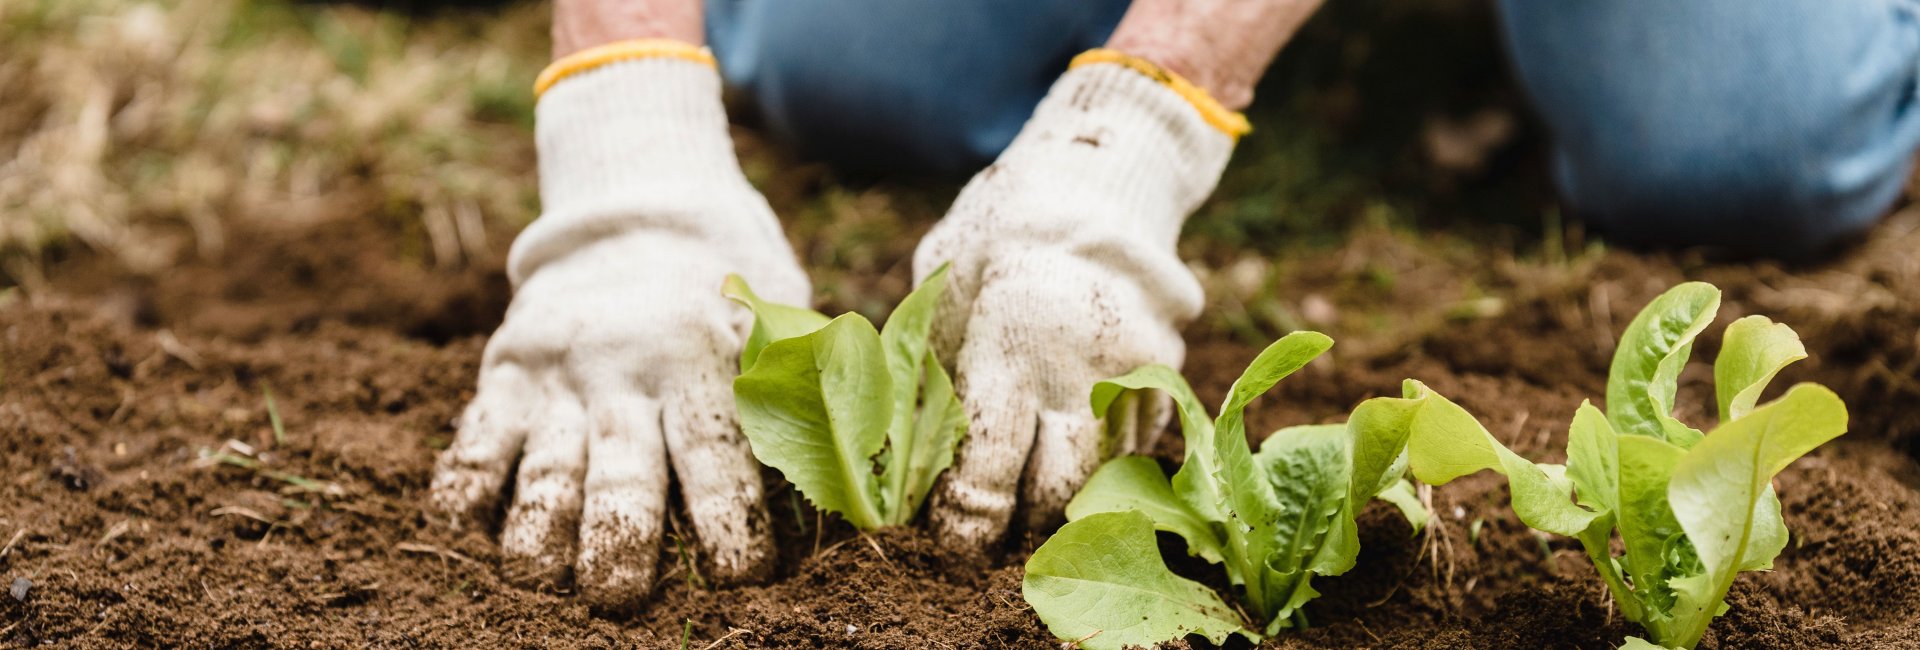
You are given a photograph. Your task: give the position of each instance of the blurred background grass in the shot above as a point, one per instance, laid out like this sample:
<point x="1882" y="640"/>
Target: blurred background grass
<point x="144" y="130"/>
<point x="1388" y="137"/>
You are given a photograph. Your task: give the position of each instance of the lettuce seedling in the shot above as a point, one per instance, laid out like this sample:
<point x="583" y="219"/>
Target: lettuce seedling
<point x="1273" y="519"/>
<point x="860" y="421"/>
<point x="1691" y="511"/>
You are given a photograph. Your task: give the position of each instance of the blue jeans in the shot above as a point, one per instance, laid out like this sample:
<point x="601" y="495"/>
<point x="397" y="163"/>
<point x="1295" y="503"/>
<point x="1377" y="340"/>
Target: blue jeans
<point x="1765" y="126"/>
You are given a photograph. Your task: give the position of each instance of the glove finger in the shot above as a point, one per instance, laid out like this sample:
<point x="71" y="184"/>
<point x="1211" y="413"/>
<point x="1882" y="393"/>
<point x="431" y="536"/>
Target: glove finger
<point x="719" y="478"/>
<point x="975" y="498"/>
<point x="544" y="522"/>
<point x="1065" y="453"/>
<point x="469" y="475"/>
<point x="626" y="497"/>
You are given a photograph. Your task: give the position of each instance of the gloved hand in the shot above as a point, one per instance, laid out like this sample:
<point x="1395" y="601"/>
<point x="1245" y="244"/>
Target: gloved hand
<point x="1064" y="273"/>
<point x="618" y="352"/>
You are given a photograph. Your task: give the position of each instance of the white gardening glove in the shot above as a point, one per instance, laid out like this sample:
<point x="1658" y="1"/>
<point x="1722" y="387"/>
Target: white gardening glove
<point x="1064" y="274"/>
<point x="618" y="353"/>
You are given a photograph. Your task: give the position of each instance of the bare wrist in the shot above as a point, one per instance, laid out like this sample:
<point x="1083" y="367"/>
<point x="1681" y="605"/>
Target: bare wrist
<point x="1222" y="46"/>
<point x="581" y="24"/>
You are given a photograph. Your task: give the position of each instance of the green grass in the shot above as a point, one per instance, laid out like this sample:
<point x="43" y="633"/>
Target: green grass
<point x="273" y="417"/>
<point x="148" y="131"/>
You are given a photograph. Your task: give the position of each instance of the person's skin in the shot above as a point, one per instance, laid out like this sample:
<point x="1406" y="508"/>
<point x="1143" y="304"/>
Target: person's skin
<point x="581" y="24"/>
<point x="1222" y="46"/>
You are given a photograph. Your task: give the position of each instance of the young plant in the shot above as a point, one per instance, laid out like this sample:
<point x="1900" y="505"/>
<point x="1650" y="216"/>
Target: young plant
<point x="1273" y="519"/>
<point x="1691" y="511"/>
<point x="860" y="421"/>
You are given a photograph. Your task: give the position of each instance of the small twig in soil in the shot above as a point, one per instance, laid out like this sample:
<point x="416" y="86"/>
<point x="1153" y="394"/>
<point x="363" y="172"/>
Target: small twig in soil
<point x="1363" y="628"/>
<point x="731" y="632"/>
<point x="126" y="406"/>
<point x="429" y="549"/>
<point x="8" y="549"/>
<point x="821" y="553"/>
<point x="1066" y="645"/>
<point x="819" y="526"/>
<point x="668" y="576"/>
<point x="114" y="533"/>
<point x="1606" y="596"/>
<point x="1244" y="618"/>
<point x="876" y="549"/>
<point x="272" y="524"/>
<point x="174" y="348"/>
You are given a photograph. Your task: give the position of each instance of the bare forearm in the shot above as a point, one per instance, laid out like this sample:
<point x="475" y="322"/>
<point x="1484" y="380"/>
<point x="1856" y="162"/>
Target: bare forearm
<point x="581" y="24"/>
<point x="1222" y="46"/>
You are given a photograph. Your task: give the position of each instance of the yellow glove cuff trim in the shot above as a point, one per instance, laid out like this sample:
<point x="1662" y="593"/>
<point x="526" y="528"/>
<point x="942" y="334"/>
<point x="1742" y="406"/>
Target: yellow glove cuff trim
<point x="639" y="48"/>
<point x="1229" y="122"/>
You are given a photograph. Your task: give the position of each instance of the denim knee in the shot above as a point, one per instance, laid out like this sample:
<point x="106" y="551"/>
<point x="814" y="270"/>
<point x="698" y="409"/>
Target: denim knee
<point x="1759" y="199"/>
<point x="1764" y="126"/>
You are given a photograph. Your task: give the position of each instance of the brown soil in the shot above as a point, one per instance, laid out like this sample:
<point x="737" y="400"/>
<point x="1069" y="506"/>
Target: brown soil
<point x="121" y="535"/>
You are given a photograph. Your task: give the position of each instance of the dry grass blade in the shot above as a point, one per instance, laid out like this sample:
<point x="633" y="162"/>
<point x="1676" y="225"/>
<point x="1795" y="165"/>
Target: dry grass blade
<point x="114" y="532"/>
<point x="249" y="513"/>
<point x="244" y="459"/>
<point x="731" y="632"/>
<point x="273" y="417"/>
<point x="17" y="536"/>
<point x="876" y="549"/>
<point x="1068" y="645"/>
<point x="429" y="549"/>
<point x="171" y="345"/>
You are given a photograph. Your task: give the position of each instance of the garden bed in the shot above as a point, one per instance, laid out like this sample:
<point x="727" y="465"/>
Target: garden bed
<point x="121" y="533"/>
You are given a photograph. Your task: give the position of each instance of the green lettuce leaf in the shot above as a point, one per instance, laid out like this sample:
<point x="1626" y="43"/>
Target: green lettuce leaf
<point x="928" y="421"/>
<point x="1273" y="519"/>
<point x="1446" y="443"/>
<point x="1753" y="350"/>
<point x="1593" y="459"/>
<point x="1643" y="380"/>
<point x="1136" y="483"/>
<point x="1691" y="510"/>
<point x="1197" y="480"/>
<point x="1099" y="580"/>
<point x="1251" y="507"/>
<point x="1308" y="470"/>
<point x="938" y="427"/>
<point x="1646" y="522"/>
<point x="807" y="408"/>
<point x="1403" y="496"/>
<point x="1717" y="487"/>
<point x="771" y="321"/>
